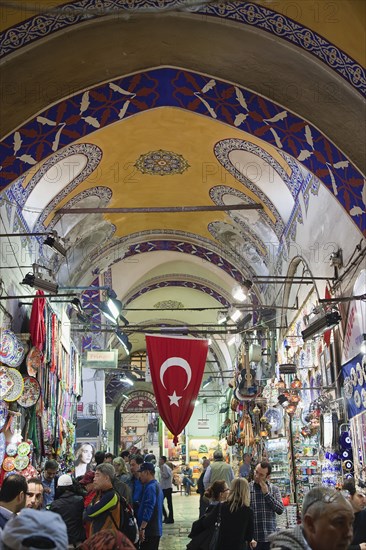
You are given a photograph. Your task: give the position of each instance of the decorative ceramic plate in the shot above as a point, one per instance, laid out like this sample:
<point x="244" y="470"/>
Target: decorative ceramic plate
<point x="11" y="449"/>
<point x="348" y="388"/>
<point x="6" y="382"/>
<point x="34" y="361"/>
<point x="2" y="447"/>
<point x="359" y="373"/>
<point x="353" y="376"/>
<point x="21" y="462"/>
<point x="8" y="464"/>
<point x="31" y="392"/>
<point x="11" y="349"/>
<point x="357" y="398"/>
<point x="3" y="414"/>
<point x="23" y="448"/>
<point x="275" y="418"/>
<point x="363" y="397"/>
<point x="17" y="390"/>
<point x="364" y="366"/>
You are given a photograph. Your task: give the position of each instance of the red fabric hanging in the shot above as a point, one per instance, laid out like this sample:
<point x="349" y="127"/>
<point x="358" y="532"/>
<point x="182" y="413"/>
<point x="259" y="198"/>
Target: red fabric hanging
<point x="37" y="327"/>
<point x="176" y="366"/>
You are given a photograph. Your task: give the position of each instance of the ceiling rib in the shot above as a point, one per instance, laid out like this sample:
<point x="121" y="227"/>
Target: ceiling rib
<point x="154" y="209"/>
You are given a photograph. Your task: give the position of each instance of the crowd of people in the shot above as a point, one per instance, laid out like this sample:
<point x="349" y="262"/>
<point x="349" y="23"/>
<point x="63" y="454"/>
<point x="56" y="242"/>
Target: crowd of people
<point x="118" y="503"/>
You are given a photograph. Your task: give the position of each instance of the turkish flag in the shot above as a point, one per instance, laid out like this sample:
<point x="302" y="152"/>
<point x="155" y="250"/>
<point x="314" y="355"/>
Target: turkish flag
<point x="176" y="366"/>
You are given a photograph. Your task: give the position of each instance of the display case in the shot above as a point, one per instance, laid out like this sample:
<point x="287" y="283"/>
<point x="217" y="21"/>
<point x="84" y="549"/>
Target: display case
<point x="278" y="455"/>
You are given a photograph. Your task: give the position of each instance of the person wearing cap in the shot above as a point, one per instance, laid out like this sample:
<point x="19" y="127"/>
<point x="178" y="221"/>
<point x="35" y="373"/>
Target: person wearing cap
<point x="33" y="529"/>
<point x="71" y="508"/>
<point x="104" y="512"/>
<point x="35" y="493"/>
<point x="218" y="470"/>
<point x="326" y="524"/>
<point x="357" y="500"/>
<point x="12" y="497"/>
<point x="150" y="513"/>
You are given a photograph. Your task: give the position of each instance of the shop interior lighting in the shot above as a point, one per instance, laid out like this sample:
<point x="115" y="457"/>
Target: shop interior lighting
<point x="124" y="341"/>
<point x="222" y="318"/>
<point x="322" y="323"/>
<point x="53" y="241"/>
<point x="207" y="382"/>
<point x="235" y="314"/>
<point x="37" y="280"/>
<point x="197" y="402"/>
<point x="363" y="344"/>
<point x="240" y="292"/>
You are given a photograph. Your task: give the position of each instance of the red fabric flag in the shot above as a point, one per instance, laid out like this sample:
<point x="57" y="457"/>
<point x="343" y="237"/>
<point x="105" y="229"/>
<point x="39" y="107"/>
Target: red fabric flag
<point x="37" y="327"/>
<point x="176" y="366"/>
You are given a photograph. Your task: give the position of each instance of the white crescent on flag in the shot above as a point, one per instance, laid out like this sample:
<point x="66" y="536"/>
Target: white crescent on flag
<point x="175" y="362"/>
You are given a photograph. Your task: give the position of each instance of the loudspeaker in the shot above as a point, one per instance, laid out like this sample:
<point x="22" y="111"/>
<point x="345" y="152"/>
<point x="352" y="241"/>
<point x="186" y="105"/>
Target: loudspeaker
<point x="87" y="427"/>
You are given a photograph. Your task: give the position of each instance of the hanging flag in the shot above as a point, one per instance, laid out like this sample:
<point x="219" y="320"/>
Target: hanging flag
<point x="176" y="366"/>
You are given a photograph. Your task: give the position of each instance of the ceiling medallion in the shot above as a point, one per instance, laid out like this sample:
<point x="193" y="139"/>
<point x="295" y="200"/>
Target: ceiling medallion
<point x="161" y="163"/>
<point x="169" y="304"/>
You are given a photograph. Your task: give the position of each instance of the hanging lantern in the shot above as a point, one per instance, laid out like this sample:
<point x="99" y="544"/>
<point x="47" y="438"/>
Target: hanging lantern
<point x="256" y="410"/>
<point x="263" y="419"/>
<point x="291" y="409"/>
<point x="294" y="398"/>
<point x="281" y="384"/>
<point x="296" y="383"/>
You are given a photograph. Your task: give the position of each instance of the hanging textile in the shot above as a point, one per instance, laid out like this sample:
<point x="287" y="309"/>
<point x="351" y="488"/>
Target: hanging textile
<point x="37" y="327"/>
<point x="176" y="366"/>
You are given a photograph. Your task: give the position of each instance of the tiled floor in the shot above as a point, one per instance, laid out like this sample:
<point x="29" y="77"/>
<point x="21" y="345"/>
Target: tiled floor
<point x="185" y="513"/>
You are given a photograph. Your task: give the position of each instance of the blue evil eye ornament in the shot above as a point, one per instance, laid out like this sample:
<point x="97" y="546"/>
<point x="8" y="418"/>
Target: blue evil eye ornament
<point x="345" y="440"/>
<point x="347" y="454"/>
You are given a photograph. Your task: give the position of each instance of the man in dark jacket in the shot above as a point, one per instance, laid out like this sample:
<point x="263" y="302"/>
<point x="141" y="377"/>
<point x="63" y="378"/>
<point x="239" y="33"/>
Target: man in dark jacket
<point x="357" y="500"/>
<point x="12" y="497"/>
<point x="104" y="511"/>
<point x="71" y="508"/>
<point x="150" y="512"/>
<point x="327" y="519"/>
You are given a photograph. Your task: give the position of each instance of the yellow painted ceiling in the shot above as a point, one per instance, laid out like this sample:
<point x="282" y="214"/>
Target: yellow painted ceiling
<point x="170" y="129"/>
<point x="342" y="22"/>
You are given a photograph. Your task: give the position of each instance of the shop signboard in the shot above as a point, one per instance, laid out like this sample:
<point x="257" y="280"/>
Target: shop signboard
<point x="101" y="359"/>
<point x="140" y="401"/>
<point x="356" y="321"/>
<point x="354" y="375"/>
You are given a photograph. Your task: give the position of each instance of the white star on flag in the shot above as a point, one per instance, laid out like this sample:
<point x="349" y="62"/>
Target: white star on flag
<point x="174" y="399"/>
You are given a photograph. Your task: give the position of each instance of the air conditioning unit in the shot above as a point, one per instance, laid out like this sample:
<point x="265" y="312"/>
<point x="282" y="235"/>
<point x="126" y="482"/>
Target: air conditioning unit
<point x="321" y="324"/>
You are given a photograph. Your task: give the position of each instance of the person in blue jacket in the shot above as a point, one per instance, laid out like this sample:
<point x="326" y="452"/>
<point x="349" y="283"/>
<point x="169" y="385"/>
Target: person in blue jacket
<point x="150" y="512"/>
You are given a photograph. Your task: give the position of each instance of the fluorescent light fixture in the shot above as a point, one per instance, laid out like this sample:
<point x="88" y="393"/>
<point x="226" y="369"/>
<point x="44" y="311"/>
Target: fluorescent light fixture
<point x="239" y="293"/>
<point x="76" y="305"/>
<point x="114" y="306"/>
<point x="125" y="396"/>
<point x="124" y="341"/>
<point x="53" y="242"/>
<point x="197" y="402"/>
<point x="41" y="284"/>
<point x="235" y="315"/>
<point x="106" y="312"/>
<point x="321" y="324"/>
<point x="222" y="318"/>
<point x="363" y="344"/>
<point x="232" y="341"/>
<point x="209" y="341"/>
<point x="207" y="382"/>
<point x="128" y="381"/>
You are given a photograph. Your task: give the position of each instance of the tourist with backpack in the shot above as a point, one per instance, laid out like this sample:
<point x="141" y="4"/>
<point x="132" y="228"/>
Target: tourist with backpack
<point x="104" y="511"/>
<point x="150" y="513"/>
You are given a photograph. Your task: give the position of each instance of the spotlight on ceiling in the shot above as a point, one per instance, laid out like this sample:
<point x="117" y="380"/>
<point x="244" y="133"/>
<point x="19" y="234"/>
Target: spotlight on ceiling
<point x="207" y="382"/>
<point x="124" y="341"/>
<point x="222" y="318"/>
<point x="41" y="284"/>
<point x="235" y="314"/>
<point x="76" y="305"/>
<point x="112" y="308"/>
<point x="240" y="292"/>
<point x="322" y="323"/>
<point x="53" y="241"/>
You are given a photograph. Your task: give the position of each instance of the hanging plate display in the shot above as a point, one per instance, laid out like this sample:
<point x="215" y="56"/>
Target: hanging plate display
<point x="2" y="447"/>
<point x="275" y="418"/>
<point x="31" y="392"/>
<point x="8" y="464"/>
<point x="357" y="398"/>
<point x="11" y="449"/>
<point x="363" y="397"/>
<point x="359" y="372"/>
<point x="34" y="361"/>
<point x="12" y="350"/>
<point x="348" y="388"/>
<point x="21" y="462"/>
<point x="353" y="376"/>
<point x="6" y="382"/>
<point x="364" y="367"/>
<point x="17" y="390"/>
<point x="3" y="414"/>
<point x="23" y="448"/>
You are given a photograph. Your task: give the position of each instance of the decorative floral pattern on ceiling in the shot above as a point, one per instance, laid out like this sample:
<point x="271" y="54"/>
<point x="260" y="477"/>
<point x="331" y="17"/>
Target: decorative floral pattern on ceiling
<point x="81" y="114"/>
<point x="161" y="163"/>
<point x="169" y="304"/>
<point x="246" y="13"/>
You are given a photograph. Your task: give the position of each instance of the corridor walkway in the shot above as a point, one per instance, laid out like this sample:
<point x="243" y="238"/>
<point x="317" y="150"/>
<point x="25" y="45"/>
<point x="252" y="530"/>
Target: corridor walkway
<point x="175" y="536"/>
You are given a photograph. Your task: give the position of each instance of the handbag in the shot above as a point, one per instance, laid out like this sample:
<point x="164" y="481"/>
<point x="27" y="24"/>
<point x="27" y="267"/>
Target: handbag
<point x="214" y="542"/>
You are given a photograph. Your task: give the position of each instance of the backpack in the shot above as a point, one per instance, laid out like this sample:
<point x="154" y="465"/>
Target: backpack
<point x="127" y="523"/>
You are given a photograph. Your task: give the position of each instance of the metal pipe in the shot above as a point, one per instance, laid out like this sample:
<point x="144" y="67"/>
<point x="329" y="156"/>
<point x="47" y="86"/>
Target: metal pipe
<point x="24" y="234"/>
<point x="289" y="278"/>
<point x="35" y="297"/>
<point x="154" y="209"/>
